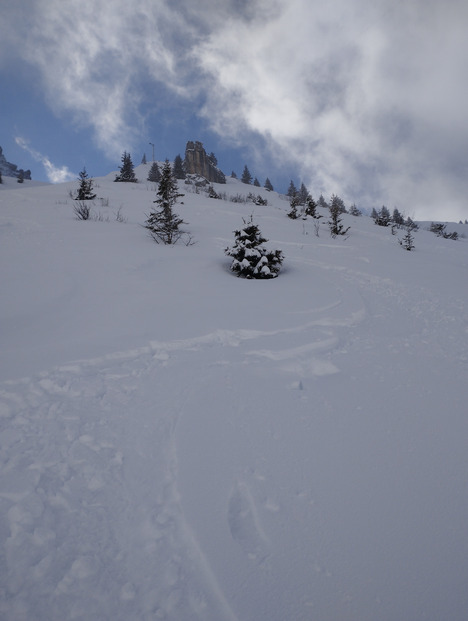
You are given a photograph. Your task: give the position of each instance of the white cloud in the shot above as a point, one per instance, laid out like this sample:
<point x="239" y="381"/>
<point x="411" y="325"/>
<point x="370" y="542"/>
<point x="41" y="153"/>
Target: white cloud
<point x="97" y="58"/>
<point x="369" y="99"/>
<point x="54" y="173"/>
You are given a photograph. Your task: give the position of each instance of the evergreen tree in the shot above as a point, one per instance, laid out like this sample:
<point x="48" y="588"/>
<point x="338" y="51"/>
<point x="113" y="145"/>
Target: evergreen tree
<point x="268" y="186"/>
<point x="256" y="182"/>
<point x="311" y="208"/>
<point x="164" y="224"/>
<point x="246" y="176"/>
<point x="383" y="217"/>
<point x="408" y="241"/>
<point x="143" y="159"/>
<point x="294" y="204"/>
<point x="335" y="222"/>
<point x="292" y="190"/>
<point x="439" y="229"/>
<point x="410" y="225"/>
<point x="154" y="173"/>
<point x="233" y="175"/>
<point x="303" y="194"/>
<point x="354" y="211"/>
<point x="127" y="173"/>
<point x="337" y="203"/>
<point x="322" y="202"/>
<point x="213" y="159"/>
<point x="250" y="258"/>
<point x="179" y="168"/>
<point x="85" y="191"/>
<point x="1" y="180"/>
<point x="397" y="218"/>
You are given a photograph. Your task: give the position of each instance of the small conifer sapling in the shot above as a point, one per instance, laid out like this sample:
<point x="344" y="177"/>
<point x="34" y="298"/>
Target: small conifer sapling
<point x="335" y="223"/>
<point x="163" y="224"/>
<point x="294" y="203"/>
<point x="250" y="259"/>
<point x="408" y="241"/>
<point x="85" y="190"/>
<point x="311" y="208"/>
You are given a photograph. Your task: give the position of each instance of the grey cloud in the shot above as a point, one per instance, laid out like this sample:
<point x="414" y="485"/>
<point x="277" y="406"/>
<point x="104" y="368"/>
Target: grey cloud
<point x="369" y="99"/>
<point x="94" y="55"/>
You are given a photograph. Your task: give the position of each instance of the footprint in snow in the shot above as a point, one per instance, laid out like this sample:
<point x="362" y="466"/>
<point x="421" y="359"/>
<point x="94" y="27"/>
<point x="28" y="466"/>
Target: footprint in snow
<point x="244" y="523"/>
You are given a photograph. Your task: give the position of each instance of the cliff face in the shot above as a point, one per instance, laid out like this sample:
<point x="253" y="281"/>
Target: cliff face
<point x="11" y="170"/>
<point x="197" y="162"/>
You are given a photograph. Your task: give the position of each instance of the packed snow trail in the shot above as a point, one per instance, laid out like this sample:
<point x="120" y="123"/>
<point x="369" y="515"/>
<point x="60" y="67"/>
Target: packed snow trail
<point x="219" y="477"/>
<point x="91" y="516"/>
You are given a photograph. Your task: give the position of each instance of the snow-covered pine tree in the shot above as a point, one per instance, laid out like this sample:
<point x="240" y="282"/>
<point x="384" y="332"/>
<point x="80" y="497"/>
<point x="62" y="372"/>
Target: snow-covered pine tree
<point x="337" y="203"/>
<point x="250" y="258"/>
<point x="335" y="222"/>
<point x="408" y="241"/>
<point x="143" y="159"/>
<point x="439" y="229"/>
<point x="383" y="217"/>
<point x="85" y="191"/>
<point x="127" y="173"/>
<point x="294" y="203"/>
<point x="154" y="173"/>
<point x="410" y="225"/>
<point x="256" y="182"/>
<point x="164" y="224"/>
<point x="311" y="208"/>
<point x="268" y="185"/>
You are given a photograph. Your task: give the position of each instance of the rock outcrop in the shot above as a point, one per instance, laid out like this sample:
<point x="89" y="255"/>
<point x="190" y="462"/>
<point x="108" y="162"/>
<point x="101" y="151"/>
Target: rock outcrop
<point x="11" y="170"/>
<point x="197" y="162"/>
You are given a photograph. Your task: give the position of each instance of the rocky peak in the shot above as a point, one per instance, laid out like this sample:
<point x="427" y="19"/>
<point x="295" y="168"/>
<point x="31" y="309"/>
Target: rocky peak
<point x="11" y="170"/>
<point x="197" y="162"/>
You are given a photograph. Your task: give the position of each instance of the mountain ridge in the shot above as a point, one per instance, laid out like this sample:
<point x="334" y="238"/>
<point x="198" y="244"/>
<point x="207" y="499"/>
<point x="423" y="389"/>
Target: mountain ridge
<point x="8" y="169"/>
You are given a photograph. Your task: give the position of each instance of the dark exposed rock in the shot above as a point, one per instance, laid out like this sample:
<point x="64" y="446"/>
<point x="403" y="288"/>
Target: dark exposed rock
<point x="197" y="162"/>
<point x="11" y="170"/>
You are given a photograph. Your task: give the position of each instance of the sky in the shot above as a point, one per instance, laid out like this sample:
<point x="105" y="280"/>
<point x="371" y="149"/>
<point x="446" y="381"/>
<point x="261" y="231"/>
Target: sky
<point x="362" y="99"/>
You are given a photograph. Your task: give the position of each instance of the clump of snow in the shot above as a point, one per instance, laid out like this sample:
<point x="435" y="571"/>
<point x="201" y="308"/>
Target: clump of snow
<point x="181" y="444"/>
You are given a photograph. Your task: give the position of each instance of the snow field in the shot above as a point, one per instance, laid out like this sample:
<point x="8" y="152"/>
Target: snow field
<point x="177" y="443"/>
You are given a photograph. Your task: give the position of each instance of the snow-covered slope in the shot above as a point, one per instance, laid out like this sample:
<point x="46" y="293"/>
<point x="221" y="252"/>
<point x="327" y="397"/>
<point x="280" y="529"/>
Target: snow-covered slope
<point x="178" y="443"/>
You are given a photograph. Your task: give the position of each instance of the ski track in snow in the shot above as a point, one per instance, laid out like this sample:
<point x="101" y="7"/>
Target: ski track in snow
<point x="89" y="484"/>
<point x="89" y="497"/>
